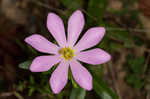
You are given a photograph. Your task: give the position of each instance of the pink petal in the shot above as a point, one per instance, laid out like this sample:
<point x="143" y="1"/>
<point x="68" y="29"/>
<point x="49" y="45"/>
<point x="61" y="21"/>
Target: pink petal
<point x="59" y="77"/>
<point x="44" y="63"/>
<point x="81" y="75"/>
<point x="94" y="56"/>
<point x="56" y="27"/>
<point x="41" y="44"/>
<point x="75" y="26"/>
<point x="90" y="38"/>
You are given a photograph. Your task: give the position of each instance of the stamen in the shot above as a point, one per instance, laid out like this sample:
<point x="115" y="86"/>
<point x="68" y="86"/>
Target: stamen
<point x="67" y="53"/>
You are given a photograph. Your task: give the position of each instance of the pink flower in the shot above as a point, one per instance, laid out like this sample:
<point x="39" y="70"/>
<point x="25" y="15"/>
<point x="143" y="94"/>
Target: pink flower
<point x="68" y="52"/>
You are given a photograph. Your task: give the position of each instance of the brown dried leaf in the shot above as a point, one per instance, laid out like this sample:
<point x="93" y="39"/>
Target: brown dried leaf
<point x="144" y="6"/>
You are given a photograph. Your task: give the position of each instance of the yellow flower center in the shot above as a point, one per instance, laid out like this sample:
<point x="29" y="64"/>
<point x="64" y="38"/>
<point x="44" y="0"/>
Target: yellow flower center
<point x="67" y="53"/>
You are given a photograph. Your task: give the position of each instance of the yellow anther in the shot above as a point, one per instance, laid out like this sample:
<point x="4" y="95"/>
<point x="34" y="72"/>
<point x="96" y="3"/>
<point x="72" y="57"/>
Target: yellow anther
<point x="67" y="53"/>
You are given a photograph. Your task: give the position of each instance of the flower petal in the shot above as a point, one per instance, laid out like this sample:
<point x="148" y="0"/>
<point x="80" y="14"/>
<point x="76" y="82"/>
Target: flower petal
<point x="81" y="75"/>
<point x="75" y="26"/>
<point x="56" y="27"/>
<point x="90" y="38"/>
<point x="59" y="77"/>
<point x="44" y="63"/>
<point x="94" y="56"/>
<point x="41" y="44"/>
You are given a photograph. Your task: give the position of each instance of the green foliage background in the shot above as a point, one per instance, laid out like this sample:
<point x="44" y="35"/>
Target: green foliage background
<point x="114" y="41"/>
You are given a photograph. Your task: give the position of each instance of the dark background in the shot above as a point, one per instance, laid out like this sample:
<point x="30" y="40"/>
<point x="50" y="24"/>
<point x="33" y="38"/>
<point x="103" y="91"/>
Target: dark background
<point x="127" y="75"/>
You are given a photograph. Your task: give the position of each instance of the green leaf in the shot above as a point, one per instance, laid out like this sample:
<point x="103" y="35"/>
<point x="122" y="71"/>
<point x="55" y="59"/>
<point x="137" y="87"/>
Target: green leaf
<point x="96" y="10"/>
<point x="72" y="4"/>
<point x="78" y="93"/>
<point x="32" y="51"/>
<point x="121" y="35"/>
<point x="136" y="65"/>
<point x="100" y="87"/>
<point x="31" y="90"/>
<point x="138" y="41"/>
<point x="135" y="81"/>
<point x="75" y="85"/>
<point x="25" y="65"/>
<point x="116" y="46"/>
<point x="22" y="85"/>
<point x="32" y="79"/>
<point x="106" y="96"/>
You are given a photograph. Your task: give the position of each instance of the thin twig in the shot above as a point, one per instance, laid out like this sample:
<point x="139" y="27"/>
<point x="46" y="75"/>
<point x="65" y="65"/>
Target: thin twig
<point x="46" y="6"/>
<point x="111" y="69"/>
<point x="130" y="29"/>
<point x="148" y="95"/>
<point x="18" y="95"/>
<point x="6" y="94"/>
<point x="92" y="17"/>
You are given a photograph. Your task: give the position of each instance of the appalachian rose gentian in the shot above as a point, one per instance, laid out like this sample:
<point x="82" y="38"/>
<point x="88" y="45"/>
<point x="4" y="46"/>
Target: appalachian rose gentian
<point x="68" y="52"/>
